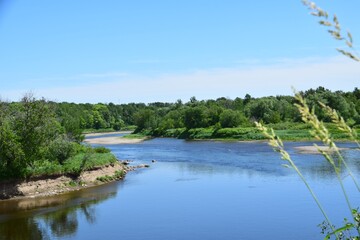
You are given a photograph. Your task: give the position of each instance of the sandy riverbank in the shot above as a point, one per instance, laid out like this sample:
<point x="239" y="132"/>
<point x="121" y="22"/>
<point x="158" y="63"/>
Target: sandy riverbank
<point x="101" y="138"/>
<point x="314" y="150"/>
<point x="106" y="133"/>
<point x="60" y="184"/>
<point x="112" y="140"/>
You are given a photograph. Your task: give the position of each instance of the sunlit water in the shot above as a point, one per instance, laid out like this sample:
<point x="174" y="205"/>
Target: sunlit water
<point x="194" y="190"/>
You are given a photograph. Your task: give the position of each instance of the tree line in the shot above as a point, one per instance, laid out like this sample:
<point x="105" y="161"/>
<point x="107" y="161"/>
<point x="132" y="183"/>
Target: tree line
<point x="220" y="113"/>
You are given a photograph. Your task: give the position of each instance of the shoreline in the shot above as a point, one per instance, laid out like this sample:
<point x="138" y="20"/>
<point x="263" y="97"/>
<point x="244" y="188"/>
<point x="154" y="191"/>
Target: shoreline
<point x="113" y="140"/>
<point x="101" y="138"/>
<point x="106" y="133"/>
<point x="56" y="185"/>
<point x="315" y="150"/>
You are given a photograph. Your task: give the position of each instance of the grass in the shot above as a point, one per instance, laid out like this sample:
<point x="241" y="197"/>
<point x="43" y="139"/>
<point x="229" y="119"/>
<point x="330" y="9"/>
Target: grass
<point x="106" y="130"/>
<point x="85" y="161"/>
<point x="74" y="165"/>
<point x="141" y="135"/>
<point x="101" y="130"/>
<point x="288" y="131"/>
<point x="118" y="175"/>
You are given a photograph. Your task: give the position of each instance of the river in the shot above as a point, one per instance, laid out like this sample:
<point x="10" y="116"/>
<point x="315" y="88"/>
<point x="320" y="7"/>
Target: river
<point x="194" y="190"/>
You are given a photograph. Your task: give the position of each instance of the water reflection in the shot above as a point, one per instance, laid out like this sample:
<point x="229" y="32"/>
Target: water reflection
<point x="23" y="228"/>
<point x="58" y="216"/>
<point x="65" y="223"/>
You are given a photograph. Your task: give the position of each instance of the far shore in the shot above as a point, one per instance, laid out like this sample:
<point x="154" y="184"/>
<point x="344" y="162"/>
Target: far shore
<point x="314" y="149"/>
<point x="112" y="140"/>
<point x="102" y="139"/>
<point x="106" y="133"/>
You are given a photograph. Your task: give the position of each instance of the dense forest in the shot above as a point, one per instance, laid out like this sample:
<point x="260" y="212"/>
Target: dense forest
<point x="160" y="119"/>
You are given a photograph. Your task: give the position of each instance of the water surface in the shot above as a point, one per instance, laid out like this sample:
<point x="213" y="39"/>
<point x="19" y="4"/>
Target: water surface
<point x="194" y="190"/>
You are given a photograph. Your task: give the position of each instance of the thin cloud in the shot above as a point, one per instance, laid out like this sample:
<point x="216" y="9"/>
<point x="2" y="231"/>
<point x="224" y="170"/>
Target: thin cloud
<point x="277" y="78"/>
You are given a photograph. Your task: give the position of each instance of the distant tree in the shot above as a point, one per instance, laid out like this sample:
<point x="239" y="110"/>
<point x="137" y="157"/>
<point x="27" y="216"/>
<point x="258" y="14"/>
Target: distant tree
<point x="263" y="109"/>
<point x="230" y="118"/>
<point x="173" y="119"/>
<point x="247" y="99"/>
<point x="145" y="119"/>
<point x="194" y="117"/>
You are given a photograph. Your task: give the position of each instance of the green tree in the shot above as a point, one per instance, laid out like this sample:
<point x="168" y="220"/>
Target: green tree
<point x="99" y="122"/>
<point x="145" y="119"/>
<point x="35" y="126"/>
<point x="26" y="130"/>
<point x="194" y="117"/>
<point x="230" y="118"/>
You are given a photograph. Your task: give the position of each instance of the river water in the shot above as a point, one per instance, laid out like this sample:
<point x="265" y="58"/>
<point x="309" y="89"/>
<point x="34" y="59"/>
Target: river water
<point x="194" y="190"/>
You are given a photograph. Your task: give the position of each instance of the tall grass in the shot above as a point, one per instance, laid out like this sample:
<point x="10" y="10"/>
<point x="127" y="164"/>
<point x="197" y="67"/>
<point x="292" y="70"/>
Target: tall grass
<point x="320" y="132"/>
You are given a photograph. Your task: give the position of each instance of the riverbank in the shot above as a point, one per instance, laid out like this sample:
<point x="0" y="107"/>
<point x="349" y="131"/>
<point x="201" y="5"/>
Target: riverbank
<point x="54" y="185"/>
<point x="99" y="134"/>
<point x="107" y="139"/>
<point x="112" y="140"/>
<point x="286" y="131"/>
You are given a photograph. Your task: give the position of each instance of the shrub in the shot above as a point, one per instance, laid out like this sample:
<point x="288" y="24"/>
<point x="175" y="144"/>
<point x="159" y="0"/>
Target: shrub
<point x="61" y="149"/>
<point x="101" y="150"/>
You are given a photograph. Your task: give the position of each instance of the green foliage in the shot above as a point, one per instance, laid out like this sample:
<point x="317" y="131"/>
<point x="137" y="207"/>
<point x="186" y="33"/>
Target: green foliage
<point x="38" y="137"/>
<point x="139" y="135"/>
<point x="248" y="133"/>
<point x="194" y="117"/>
<point x="223" y="112"/>
<point x="45" y="168"/>
<point x="26" y="130"/>
<point x="37" y="130"/>
<point x="101" y="130"/>
<point x="76" y="164"/>
<point x="35" y="126"/>
<point x="60" y="149"/>
<point x="230" y="118"/>
<point x="12" y="157"/>
<point x="145" y="119"/>
<point x="101" y="150"/>
<point x="118" y="175"/>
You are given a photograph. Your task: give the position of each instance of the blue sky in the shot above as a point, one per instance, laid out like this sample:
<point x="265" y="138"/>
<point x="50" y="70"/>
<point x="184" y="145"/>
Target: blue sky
<point x="124" y="51"/>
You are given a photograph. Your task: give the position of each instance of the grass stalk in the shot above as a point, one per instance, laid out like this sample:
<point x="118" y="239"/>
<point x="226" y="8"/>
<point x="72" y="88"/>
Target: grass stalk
<point x="278" y="146"/>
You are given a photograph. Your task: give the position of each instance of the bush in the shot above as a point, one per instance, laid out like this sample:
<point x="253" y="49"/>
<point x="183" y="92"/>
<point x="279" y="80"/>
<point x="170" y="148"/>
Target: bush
<point x="230" y="118"/>
<point x="101" y="150"/>
<point x="61" y="149"/>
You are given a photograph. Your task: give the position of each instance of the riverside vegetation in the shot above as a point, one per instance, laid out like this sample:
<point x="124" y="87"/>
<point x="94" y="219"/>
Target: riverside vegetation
<point x="43" y="138"/>
<point x="220" y="118"/>
<point x="36" y="142"/>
